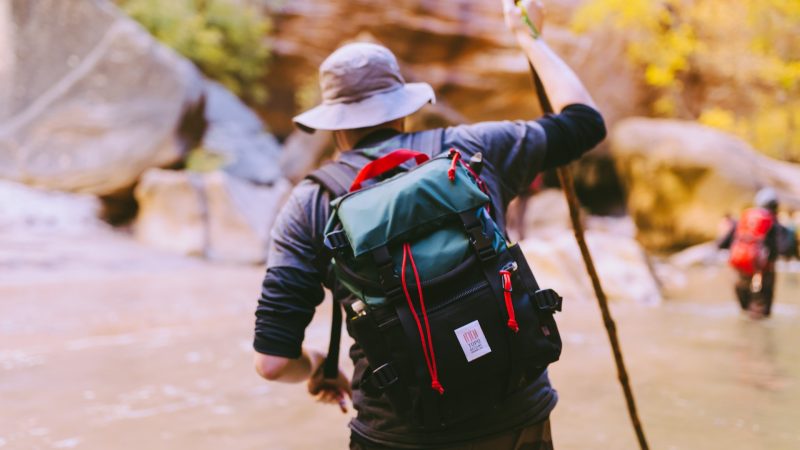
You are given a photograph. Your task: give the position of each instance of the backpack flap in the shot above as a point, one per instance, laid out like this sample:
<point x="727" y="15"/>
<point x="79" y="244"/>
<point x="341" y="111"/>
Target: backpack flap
<point x="410" y="203"/>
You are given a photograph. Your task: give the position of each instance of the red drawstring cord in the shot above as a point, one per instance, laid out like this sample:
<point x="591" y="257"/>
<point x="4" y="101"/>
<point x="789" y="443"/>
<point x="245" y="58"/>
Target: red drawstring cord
<point x="512" y="318"/>
<point x="451" y="172"/>
<point x="427" y="347"/>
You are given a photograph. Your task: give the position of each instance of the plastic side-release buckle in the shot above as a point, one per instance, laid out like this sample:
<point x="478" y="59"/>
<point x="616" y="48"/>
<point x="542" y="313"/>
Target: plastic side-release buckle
<point x="482" y="244"/>
<point x="387" y="277"/>
<point x="548" y="300"/>
<point x="336" y="240"/>
<point x="384" y="376"/>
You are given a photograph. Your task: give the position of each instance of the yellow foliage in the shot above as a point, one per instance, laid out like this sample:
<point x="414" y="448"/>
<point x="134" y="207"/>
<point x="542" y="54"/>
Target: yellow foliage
<point x="718" y="118"/>
<point x="734" y="65"/>
<point x="642" y="14"/>
<point x="664" y="107"/>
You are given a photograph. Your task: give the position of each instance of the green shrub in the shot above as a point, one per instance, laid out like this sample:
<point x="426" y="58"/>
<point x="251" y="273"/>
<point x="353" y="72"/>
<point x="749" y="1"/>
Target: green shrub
<point x="226" y="39"/>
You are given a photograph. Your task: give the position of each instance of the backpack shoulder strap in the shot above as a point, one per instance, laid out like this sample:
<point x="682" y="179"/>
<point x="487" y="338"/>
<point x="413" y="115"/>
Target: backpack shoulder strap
<point x="333" y="177"/>
<point x="428" y="141"/>
<point x="336" y="179"/>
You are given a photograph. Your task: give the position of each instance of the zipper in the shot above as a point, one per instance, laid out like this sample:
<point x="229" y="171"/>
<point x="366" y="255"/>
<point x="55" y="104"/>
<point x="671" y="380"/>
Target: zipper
<point x="439" y="306"/>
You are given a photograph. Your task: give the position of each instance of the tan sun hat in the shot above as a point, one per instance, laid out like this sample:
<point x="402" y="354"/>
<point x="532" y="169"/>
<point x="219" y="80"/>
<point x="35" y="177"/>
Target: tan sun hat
<point x="362" y="87"/>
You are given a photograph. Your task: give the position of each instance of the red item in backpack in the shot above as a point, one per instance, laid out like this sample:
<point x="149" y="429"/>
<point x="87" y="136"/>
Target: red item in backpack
<point x="749" y="253"/>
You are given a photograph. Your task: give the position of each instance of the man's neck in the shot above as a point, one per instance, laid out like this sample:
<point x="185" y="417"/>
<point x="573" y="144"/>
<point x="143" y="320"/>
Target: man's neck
<point x="350" y="139"/>
<point x="376" y="136"/>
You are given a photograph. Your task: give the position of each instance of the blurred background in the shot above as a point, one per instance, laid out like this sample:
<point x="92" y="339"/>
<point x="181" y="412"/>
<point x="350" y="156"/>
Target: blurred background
<point x="147" y="145"/>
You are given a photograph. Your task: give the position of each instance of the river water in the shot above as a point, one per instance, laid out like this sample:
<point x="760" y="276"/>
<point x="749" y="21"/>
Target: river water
<point x="140" y="350"/>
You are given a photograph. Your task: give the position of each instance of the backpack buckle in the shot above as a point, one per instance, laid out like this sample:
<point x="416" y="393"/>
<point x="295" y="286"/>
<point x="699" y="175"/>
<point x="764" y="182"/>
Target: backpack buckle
<point x="336" y="240"/>
<point x="384" y="376"/>
<point x="548" y="300"/>
<point x="485" y="252"/>
<point x="474" y="228"/>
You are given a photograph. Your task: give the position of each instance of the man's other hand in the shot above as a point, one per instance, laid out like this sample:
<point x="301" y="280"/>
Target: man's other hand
<point x="331" y="391"/>
<point x="515" y="20"/>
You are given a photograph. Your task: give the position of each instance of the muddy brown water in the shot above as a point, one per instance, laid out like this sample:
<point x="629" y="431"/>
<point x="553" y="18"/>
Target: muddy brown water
<point x="145" y="351"/>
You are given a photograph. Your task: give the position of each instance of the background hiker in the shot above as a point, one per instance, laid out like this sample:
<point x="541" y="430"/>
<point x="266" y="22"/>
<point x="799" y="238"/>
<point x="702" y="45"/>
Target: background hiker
<point x="755" y="241"/>
<point x="365" y="102"/>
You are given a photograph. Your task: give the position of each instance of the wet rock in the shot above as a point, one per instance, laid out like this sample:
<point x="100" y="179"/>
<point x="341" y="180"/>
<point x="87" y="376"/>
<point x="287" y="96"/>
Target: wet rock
<point x="236" y="133"/>
<point x="303" y="152"/>
<point x="547" y="209"/>
<point x="621" y="263"/>
<point x="172" y="211"/>
<point x="88" y="99"/>
<point x="682" y="179"/>
<point x="213" y="215"/>
<point x="37" y="211"/>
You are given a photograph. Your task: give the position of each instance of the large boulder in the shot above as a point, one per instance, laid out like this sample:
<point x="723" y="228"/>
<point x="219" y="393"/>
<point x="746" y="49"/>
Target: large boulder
<point x="236" y="133"/>
<point x="682" y="179"/>
<point x="621" y="264"/>
<point x="88" y="99"/>
<point x="461" y="47"/>
<point x="212" y="215"/>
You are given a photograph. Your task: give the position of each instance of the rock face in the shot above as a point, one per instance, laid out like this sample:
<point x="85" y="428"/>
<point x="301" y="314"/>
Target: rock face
<point x="556" y="261"/>
<point x="683" y="178"/>
<point x="237" y="134"/>
<point x="213" y="215"/>
<point x="88" y="100"/>
<point x="461" y="47"/>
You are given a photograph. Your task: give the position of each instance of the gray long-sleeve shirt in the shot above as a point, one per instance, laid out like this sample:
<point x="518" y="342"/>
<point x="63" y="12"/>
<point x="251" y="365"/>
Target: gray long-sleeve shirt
<point x="298" y="268"/>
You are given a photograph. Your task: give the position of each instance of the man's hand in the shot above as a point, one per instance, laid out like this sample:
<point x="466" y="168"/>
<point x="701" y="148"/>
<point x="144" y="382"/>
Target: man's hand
<point x="515" y="18"/>
<point x="329" y="391"/>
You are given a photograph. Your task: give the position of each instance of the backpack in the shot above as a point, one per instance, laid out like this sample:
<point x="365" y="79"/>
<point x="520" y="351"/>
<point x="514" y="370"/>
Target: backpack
<point x="749" y="253"/>
<point x="449" y="315"/>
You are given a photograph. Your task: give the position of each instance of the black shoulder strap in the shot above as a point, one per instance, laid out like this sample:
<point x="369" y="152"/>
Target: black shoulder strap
<point x="336" y="178"/>
<point x="428" y="141"/>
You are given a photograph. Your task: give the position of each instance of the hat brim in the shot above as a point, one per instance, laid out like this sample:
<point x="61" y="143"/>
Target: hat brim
<point x="375" y="110"/>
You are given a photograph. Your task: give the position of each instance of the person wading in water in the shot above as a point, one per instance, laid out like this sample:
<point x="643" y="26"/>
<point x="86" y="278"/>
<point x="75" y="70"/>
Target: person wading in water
<point x="755" y="242"/>
<point x="365" y="104"/>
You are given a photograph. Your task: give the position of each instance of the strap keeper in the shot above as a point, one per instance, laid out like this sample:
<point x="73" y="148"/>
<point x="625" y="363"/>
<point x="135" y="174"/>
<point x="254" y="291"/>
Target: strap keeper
<point x="474" y="228"/>
<point x="336" y="240"/>
<point x="390" y="282"/>
<point x="384" y="376"/>
<point x="548" y="300"/>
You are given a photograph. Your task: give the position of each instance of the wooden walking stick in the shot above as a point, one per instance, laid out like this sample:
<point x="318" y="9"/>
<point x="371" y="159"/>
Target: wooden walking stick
<point x="567" y="184"/>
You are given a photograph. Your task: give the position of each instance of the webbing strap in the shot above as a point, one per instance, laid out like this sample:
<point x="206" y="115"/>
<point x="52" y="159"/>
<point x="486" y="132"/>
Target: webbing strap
<point x="429" y="142"/>
<point x="335" y="178"/>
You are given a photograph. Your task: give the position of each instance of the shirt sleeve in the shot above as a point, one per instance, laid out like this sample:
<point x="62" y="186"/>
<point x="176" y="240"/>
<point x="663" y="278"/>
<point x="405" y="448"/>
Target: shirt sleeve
<point x="293" y="284"/>
<point x="519" y="150"/>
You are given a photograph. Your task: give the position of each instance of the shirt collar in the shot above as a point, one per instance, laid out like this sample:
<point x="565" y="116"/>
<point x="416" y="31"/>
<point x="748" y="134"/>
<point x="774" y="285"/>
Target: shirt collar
<point x="376" y="137"/>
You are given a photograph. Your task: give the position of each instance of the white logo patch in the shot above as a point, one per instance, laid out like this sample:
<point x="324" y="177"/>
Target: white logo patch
<point x="472" y="341"/>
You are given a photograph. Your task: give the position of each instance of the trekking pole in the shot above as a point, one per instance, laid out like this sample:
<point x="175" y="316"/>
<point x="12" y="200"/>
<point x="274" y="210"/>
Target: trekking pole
<point x="565" y="178"/>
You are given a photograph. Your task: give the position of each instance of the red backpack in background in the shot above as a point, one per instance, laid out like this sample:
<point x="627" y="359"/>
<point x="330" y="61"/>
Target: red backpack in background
<point x="749" y="254"/>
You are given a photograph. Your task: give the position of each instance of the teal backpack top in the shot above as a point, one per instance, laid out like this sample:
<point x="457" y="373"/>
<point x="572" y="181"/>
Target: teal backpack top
<point x="449" y="315"/>
<point x="420" y="207"/>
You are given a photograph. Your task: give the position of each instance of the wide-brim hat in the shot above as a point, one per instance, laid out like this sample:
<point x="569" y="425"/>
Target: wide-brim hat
<point x="362" y="87"/>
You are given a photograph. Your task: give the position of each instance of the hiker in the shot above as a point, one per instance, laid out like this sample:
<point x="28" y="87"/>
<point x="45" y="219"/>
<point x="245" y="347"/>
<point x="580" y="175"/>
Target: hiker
<point x="756" y="241"/>
<point x="365" y="104"/>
